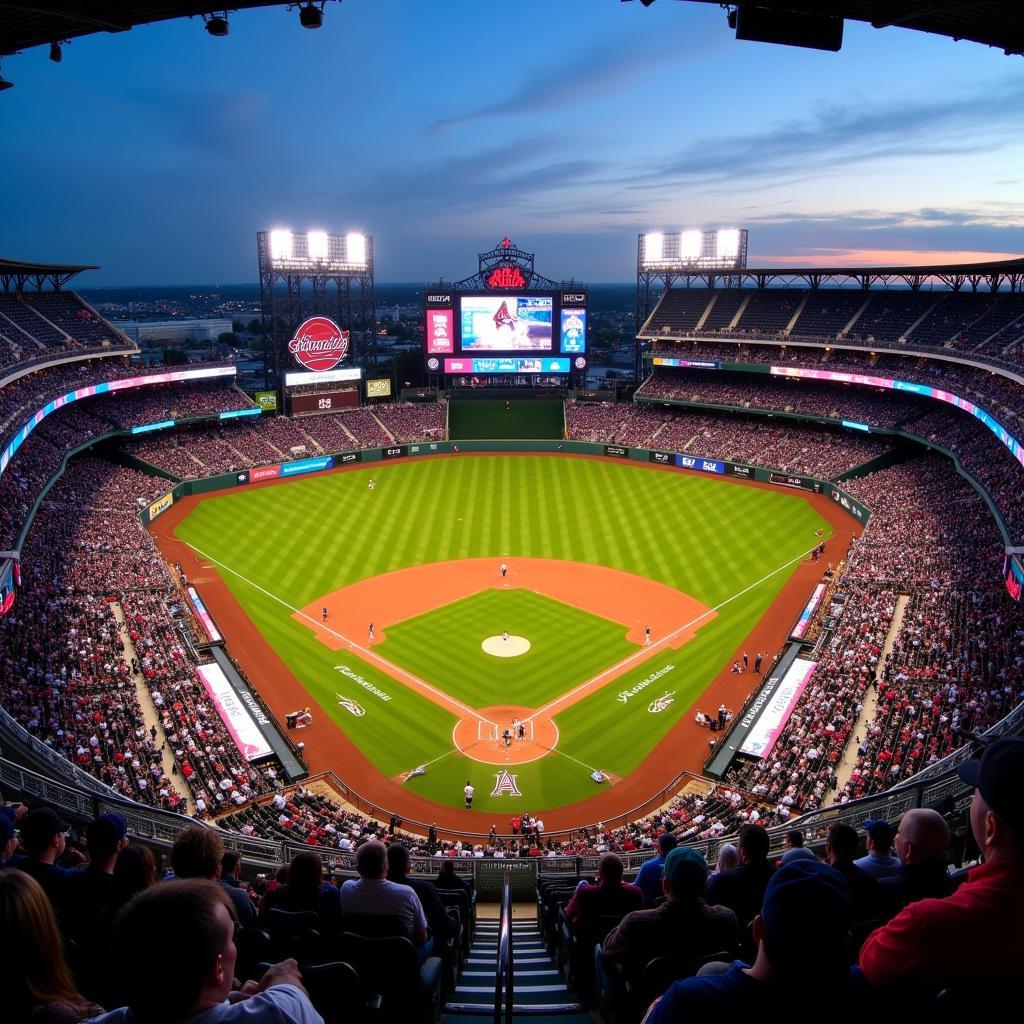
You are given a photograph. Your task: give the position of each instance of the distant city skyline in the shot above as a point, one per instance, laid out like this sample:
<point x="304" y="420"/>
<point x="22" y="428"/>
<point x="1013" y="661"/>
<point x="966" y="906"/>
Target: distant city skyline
<point x="570" y="126"/>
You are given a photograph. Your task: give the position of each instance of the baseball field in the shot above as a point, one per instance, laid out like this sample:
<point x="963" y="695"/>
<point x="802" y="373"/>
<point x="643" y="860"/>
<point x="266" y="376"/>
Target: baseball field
<point x="594" y="552"/>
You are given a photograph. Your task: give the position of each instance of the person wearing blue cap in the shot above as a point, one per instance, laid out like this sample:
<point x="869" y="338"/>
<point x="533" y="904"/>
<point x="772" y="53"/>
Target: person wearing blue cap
<point x="976" y="933"/>
<point x="801" y="934"/>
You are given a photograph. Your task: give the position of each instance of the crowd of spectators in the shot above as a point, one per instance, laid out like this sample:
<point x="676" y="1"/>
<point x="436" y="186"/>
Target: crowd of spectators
<point x="53" y="324"/>
<point x="62" y="658"/>
<point x="955" y="661"/>
<point x="238" y="444"/>
<point x="789" y="446"/>
<point x="989" y="325"/>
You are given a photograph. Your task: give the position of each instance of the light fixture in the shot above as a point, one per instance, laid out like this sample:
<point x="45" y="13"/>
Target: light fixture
<point x="730" y="17"/>
<point x="55" y="52"/>
<point x="217" y="24"/>
<point x="4" y="84"/>
<point x="311" y="16"/>
<point x="316" y="245"/>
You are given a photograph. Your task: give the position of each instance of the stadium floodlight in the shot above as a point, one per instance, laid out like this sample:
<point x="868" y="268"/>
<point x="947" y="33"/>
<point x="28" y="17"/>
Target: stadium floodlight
<point x="56" y="54"/>
<point x="280" y="245"/>
<point x="316" y="245"/>
<point x="727" y="244"/>
<point x="311" y="16"/>
<point x="4" y="84"/>
<point x="653" y="245"/>
<point x="217" y="24"/>
<point x="355" y="249"/>
<point x="690" y="243"/>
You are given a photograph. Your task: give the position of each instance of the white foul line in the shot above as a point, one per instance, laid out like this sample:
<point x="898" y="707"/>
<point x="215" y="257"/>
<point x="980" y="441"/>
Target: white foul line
<point x="364" y="651"/>
<point x="645" y="652"/>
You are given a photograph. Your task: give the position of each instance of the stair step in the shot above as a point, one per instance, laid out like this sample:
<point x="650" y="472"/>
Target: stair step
<point x="521" y="990"/>
<point x="550" y="972"/>
<point x="518" y="960"/>
<point x="560" y="1011"/>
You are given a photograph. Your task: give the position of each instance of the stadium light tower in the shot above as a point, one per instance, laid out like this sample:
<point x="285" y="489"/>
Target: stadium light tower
<point x="355" y="249"/>
<point x="217" y="24"/>
<point x="316" y="245"/>
<point x="280" y="245"/>
<point x="690" y="246"/>
<point x="311" y="15"/>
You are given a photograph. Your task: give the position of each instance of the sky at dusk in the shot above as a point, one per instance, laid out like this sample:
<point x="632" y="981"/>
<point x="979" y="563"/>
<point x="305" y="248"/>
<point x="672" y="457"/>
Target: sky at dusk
<point x="570" y="125"/>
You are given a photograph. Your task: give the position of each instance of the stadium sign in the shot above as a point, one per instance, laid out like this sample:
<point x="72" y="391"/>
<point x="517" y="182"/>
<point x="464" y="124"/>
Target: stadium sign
<point x="506" y="277"/>
<point x="319" y="344"/>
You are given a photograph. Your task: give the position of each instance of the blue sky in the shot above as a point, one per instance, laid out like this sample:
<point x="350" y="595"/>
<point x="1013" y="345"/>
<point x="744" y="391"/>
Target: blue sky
<point x="569" y="124"/>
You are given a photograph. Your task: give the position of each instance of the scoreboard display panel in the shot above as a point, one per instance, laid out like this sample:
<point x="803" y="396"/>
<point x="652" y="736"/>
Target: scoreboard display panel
<point x="502" y="331"/>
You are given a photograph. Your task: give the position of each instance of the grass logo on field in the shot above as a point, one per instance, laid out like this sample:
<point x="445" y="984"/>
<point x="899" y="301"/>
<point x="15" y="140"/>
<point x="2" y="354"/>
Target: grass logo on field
<point x="350" y="705"/>
<point x="659" y="705"/>
<point x="505" y="782"/>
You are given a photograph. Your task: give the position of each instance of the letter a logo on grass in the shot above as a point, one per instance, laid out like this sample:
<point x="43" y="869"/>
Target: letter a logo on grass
<point x="505" y="782"/>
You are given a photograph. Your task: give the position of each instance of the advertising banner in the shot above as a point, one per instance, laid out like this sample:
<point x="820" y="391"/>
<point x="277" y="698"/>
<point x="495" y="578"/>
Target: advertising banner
<point x="735" y="469"/>
<point x="788" y="480"/>
<point x="344" y="457"/>
<point x="662" y="458"/>
<point x="234" y="714"/>
<point x="775" y="713"/>
<point x="161" y="505"/>
<point x="440" y="331"/>
<point x="693" y="364"/>
<point x="704" y="465"/>
<point x="808" y="613"/>
<point x="264" y="473"/>
<point x="306" y="466"/>
<point x="204" y="616"/>
<point x="616" y="451"/>
<point x="379" y="387"/>
<point x="235" y="414"/>
<point x="395" y="452"/>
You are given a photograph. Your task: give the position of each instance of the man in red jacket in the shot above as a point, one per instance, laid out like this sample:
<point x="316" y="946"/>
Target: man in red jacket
<point x="976" y="933"/>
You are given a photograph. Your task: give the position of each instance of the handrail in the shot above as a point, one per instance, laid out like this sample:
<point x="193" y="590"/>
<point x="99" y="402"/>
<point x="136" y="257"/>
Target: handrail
<point x="503" y="982"/>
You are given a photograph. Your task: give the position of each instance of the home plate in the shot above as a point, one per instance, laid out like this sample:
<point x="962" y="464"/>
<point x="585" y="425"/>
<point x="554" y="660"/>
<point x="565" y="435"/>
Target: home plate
<point x="501" y="647"/>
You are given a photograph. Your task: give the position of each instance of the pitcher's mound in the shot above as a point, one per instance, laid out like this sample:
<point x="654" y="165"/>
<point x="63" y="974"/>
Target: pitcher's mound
<point x="502" y="648"/>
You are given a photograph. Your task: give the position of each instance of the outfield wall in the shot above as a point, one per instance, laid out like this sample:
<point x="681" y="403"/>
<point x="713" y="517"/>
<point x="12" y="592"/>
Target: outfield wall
<point x="678" y="460"/>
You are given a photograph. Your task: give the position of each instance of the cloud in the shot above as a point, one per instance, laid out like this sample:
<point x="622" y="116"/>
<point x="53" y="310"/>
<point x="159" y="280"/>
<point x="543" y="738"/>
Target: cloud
<point x="606" y="67"/>
<point x="835" y="136"/>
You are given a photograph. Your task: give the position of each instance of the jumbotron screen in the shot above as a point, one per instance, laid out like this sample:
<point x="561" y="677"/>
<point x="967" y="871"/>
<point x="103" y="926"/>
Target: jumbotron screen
<point x="502" y="332"/>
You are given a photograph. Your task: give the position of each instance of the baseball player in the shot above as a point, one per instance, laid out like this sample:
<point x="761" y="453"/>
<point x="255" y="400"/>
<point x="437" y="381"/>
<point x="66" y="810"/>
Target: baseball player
<point x="647" y="636"/>
<point x="323" y="615"/>
<point x="468" y="792"/>
<point x="371" y="632"/>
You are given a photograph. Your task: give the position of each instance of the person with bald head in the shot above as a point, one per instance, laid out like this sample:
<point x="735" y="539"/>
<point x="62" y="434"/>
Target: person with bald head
<point x="921" y="843"/>
<point x="973" y="935"/>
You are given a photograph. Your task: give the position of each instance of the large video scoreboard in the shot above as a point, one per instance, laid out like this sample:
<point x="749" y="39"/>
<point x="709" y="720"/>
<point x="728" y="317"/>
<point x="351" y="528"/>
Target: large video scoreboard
<point x="506" y="332"/>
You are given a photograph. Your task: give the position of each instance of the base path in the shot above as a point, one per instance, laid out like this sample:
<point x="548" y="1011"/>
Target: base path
<point x="393" y="597"/>
<point x="685" y="746"/>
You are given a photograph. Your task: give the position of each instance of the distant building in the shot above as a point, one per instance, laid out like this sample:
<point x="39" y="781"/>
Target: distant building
<point x="166" y="332"/>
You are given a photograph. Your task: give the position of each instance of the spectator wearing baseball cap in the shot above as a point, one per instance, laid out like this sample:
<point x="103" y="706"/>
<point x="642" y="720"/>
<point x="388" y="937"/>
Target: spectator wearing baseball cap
<point x="880" y="860"/>
<point x="801" y="934"/>
<point x="43" y="837"/>
<point x="975" y="934"/>
<point x="684" y="926"/>
<point x="89" y="891"/>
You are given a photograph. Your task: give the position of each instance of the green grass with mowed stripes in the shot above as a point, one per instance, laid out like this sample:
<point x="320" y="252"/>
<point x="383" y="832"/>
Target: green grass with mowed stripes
<point x="280" y="548"/>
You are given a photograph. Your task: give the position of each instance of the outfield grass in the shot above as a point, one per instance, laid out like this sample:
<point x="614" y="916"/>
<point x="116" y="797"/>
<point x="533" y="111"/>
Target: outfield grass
<point x="487" y="419"/>
<point x="305" y="538"/>
<point x="568" y="646"/>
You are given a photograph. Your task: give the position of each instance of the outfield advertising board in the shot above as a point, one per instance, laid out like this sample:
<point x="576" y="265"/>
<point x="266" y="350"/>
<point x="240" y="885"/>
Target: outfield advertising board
<point x="395" y="452"/>
<point x="161" y="505"/>
<point x="306" y="466"/>
<point x="662" y="458"/>
<point x="616" y="451"/>
<point x="704" y="465"/>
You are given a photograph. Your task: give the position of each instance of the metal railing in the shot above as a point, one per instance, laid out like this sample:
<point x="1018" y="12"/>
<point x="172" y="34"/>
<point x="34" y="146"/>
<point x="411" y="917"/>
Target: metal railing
<point x="504" y="982"/>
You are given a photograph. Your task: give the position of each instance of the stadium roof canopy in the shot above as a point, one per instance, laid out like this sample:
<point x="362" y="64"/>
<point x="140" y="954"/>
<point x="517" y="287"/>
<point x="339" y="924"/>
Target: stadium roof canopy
<point x="29" y="24"/>
<point x="18" y="273"/>
<point x="999" y="24"/>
